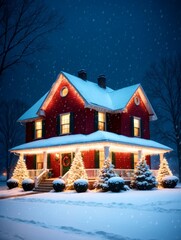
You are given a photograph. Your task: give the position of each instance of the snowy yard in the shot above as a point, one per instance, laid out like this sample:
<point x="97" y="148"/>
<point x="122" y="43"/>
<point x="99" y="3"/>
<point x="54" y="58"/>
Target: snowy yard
<point x="154" y="214"/>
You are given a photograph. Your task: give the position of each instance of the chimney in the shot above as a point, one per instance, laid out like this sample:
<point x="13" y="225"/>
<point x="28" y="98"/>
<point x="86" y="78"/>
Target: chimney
<point x="82" y="74"/>
<point x="102" y="81"/>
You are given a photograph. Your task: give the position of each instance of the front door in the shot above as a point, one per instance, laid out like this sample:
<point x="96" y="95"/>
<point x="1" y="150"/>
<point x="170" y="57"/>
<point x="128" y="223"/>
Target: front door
<point x="66" y="162"/>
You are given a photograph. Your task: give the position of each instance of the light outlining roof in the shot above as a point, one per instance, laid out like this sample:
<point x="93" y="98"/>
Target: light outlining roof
<point x="96" y="140"/>
<point x="94" y="97"/>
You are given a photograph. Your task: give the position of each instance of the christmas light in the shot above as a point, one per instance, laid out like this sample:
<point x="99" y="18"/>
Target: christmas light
<point x="163" y="171"/>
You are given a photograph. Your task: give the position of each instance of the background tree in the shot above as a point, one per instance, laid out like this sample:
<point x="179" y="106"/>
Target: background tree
<point x="11" y="132"/>
<point x="163" y="81"/>
<point x="23" y="26"/>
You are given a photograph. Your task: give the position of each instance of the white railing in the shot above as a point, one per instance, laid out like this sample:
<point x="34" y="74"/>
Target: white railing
<point x="65" y="176"/>
<point x="39" y="178"/>
<point x="127" y="174"/>
<point x="34" y="173"/>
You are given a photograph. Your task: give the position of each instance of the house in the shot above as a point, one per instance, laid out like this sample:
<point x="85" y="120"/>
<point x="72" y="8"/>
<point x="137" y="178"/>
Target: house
<point x="97" y="120"/>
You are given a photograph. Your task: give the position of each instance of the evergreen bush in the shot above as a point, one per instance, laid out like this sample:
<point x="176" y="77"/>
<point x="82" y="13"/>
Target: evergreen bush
<point x="58" y="185"/>
<point x="116" y="184"/>
<point x="28" y="184"/>
<point x="81" y="185"/>
<point x="169" y="181"/>
<point x="12" y="183"/>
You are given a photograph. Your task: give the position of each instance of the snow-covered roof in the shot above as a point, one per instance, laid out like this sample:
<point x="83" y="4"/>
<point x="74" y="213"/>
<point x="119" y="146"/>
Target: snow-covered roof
<point x="94" y="97"/>
<point x="94" y="140"/>
<point x="31" y="113"/>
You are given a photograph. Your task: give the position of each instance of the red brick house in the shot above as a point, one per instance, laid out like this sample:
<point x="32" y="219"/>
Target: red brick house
<point x="92" y="117"/>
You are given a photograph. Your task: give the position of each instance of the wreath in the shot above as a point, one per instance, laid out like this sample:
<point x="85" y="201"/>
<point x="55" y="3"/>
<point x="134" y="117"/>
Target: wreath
<point x="66" y="161"/>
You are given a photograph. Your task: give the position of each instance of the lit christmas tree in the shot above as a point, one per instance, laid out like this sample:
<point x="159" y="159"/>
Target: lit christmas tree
<point x="76" y="171"/>
<point x="163" y="171"/>
<point x="143" y="178"/>
<point x="20" y="171"/>
<point x="106" y="172"/>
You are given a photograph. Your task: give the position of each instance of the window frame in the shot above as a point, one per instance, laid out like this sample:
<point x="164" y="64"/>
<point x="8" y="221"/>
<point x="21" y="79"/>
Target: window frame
<point x="62" y="125"/>
<point x="137" y="128"/>
<point x="38" y="129"/>
<point x="102" y="122"/>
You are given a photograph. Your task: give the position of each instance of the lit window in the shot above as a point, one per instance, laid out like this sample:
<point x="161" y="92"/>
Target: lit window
<point x="38" y="129"/>
<point x="65" y="123"/>
<point x="137" y="127"/>
<point x="135" y="160"/>
<point x="64" y="92"/>
<point x="101" y="121"/>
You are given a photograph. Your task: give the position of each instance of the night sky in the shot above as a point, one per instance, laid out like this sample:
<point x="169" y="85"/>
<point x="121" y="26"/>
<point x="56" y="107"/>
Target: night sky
<point x="113" y="37"/>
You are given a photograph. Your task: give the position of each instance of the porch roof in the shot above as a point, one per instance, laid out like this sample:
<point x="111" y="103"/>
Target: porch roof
<point x="96" y="140"/>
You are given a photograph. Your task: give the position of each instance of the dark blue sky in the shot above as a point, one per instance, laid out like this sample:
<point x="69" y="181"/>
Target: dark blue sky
<point x="113" y="37"/>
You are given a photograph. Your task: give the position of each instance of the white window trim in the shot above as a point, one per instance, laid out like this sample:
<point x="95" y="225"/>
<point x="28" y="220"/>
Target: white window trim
<point x="35" y="130"/>
<point x="105" y="120"/>
<point x="138" y="118"/>
<point x="63" y="114"/>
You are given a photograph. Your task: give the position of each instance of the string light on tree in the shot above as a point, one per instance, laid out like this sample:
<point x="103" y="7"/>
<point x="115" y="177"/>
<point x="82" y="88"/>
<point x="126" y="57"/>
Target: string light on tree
<point x="163" y="171"/>
<point x="77" y="170"/>
<point x="20" y="171"/>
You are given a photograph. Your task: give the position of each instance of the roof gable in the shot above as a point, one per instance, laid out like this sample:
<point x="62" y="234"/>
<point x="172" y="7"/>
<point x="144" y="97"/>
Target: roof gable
<point x="94" y="97"/>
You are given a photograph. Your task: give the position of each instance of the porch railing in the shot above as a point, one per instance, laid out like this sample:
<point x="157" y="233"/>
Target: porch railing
<point x="39" y="178"/>
<point x="34" y="173"/>
<point x="127" y="174"/>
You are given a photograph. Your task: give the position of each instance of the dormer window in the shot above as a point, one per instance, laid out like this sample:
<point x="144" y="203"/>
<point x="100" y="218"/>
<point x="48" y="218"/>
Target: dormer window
<point x="136" y="127"/>
<point x="38" y="129"/>
<point x="101" y="121"/>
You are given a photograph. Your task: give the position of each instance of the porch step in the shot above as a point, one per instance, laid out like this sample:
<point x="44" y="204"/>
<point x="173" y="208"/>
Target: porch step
<point x="45" y="186"/>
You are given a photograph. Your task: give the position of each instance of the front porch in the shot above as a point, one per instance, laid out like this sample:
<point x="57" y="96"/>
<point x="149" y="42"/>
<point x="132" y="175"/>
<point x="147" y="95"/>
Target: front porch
<point x="98" y="141"/>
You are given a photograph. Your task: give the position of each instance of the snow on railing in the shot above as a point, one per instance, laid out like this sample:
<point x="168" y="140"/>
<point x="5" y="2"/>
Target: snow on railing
<point x="34" y="173"/>
<point x="65" y="176"/>
<point x="39" y="178"/>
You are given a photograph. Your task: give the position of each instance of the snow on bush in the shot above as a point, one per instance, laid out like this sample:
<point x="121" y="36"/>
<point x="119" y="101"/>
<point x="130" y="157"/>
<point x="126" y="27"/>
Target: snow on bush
<point x="58" y="185"/>
<point x="81" y="185"/>
<point x="163" y="171"/>
<point x="143" y="178"/>
<point x="28" y="184"/>
<point x="116" y="184"/>
<point x="169" y="181"/>
<point x="106" y="172"/>
<point x="12" y="183"/>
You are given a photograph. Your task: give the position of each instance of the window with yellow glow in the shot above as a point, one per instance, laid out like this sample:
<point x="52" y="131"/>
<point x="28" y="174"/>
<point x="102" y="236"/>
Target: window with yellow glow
<point x="137" y="127"/>
<point x="65" y="123"/>
<point x="38" y="129"/>
<point x="101" y="121"/>
<point x="135" y="160"/>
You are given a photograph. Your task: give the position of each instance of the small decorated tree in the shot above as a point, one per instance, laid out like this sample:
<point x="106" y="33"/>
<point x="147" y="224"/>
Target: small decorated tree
<point x="163" y="171"/>
<point x="77" y="171"/>
<point x="106" y="172"/>
<point x="20" y="171"/>
<point x="143" y="178"/>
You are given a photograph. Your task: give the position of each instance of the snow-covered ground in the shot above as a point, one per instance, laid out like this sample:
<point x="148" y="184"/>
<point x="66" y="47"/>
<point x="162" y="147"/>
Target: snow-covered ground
<point x="142" y="215"/>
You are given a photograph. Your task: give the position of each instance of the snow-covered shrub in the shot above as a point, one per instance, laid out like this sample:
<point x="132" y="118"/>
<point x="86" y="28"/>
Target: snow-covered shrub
<point x="12" y="183"/>
<point x="28" y="184"/>
<point x="169" y="181"/>
<point x="143" y="178"/>
<point x="116" y="184"/>
<point x="81" y="185"/>
<point x="106" y="172"/>
<point x="58" y="185"/>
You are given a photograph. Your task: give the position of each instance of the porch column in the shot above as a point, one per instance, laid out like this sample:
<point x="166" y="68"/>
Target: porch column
<point x="44" y="160"/>
<point x="106" y="152"/>
<point x="161" y="157"/>
<point x="140" y="154"/>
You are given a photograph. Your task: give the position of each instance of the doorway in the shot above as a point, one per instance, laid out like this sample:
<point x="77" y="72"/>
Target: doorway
<point x="66" y="162"/>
